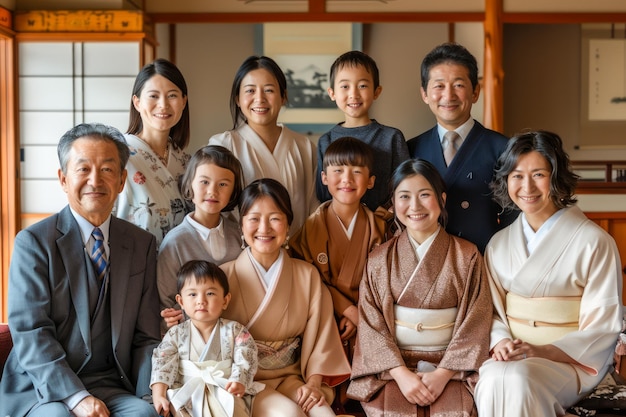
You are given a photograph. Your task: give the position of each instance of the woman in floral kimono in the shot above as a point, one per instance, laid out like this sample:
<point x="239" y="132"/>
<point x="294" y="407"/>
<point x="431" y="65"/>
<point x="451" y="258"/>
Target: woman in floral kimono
<point x="157" y="136"/>
<point x="286" y="308"/>
<point x="556" y="283"/>
<point x="422" y="333"/>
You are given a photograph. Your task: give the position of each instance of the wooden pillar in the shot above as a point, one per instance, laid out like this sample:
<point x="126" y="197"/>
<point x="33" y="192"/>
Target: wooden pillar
<point x="9" y="160"/>
<point x="493" y="71"/>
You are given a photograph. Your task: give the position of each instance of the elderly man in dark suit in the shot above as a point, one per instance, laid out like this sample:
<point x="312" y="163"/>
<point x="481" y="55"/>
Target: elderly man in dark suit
<point x="463" y="151"/>
<point x="83" y="305"/>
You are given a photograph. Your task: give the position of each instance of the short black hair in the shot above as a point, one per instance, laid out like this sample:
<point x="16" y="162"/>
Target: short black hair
<point x="349" y="151"/>
<point x="354" y="59"/>
<point x="450" y="53"/>
<point x="201" y="271"/>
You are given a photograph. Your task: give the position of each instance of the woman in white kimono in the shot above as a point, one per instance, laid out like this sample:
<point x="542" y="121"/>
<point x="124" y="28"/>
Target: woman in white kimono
<point x="286" y="308"/>
<point x="556" y="283"/>
<point x="266" y="148"/>
<point x="157" y="136"/>
<point x="422" y="333"/>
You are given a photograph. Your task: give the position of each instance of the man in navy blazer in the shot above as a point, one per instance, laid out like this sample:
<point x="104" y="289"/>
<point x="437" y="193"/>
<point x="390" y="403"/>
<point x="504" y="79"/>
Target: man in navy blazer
<point x="83" y="337"/>
<point x="450" y="87"/>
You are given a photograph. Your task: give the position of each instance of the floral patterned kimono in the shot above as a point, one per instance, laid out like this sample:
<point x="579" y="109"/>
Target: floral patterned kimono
<point x="151" y="197"/>
<point x="196" y="372"/>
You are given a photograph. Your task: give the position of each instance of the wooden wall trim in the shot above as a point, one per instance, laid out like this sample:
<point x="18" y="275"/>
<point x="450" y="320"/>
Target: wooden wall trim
<point x="315" y="17"/>
<point x="564" y="18"/>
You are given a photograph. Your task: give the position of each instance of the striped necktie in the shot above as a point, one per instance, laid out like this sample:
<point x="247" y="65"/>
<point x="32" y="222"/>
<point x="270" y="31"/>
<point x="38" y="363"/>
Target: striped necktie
<point x="98" y="255"/>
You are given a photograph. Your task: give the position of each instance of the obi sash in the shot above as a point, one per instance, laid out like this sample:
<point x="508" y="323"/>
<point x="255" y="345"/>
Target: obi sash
<point x="196" y="376"/>
<point x="424" y="329"/>
<point x="541" y="320"/>
<point x="277" y="355"/>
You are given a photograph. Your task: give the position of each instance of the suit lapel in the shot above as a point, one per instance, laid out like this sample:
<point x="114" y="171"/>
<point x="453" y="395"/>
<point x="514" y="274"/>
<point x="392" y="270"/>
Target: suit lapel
<point x="119" y="274"/>
<point x="71" y="250"/>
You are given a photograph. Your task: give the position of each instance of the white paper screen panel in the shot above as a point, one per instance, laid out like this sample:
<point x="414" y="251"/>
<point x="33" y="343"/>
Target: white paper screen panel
<point x="45" y="58"/>
<point x="42" y="196"/>
<point x="111" y="58"/>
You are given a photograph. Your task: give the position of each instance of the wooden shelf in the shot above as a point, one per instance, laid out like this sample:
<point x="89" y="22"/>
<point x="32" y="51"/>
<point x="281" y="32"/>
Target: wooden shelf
<point x="600" y="177"/>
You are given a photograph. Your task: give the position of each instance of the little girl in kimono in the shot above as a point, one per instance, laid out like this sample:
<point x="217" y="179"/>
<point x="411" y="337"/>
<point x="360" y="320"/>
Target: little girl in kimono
<point x="212" y="182"/>
<point x="204" y="366"/>
<point x="338" y="236"/>
<point x="423" y="302"/>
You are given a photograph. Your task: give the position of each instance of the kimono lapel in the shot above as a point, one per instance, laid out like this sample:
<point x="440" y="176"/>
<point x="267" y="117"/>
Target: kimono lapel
<point x="354" y="253"/>
<point x="70" y="244"/>
<point x="532" y="272"/>
<point x="273" y="312"/>
<point x="417" y="291"/>
<point x="265" y="160"/>
<point x="119" y="274"/>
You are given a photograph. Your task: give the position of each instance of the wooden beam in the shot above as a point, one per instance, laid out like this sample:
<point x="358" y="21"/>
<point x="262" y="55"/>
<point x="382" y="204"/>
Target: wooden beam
<point x="555" y="18"/>
<point x="493" y="72"/>
<point x="314" y="17"/>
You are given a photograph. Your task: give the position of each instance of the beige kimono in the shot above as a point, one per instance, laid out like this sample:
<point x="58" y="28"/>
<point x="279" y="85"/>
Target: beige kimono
<point x="449" y="276"/>
<point x="576" y="259"/>
<point x="295" y="318"/>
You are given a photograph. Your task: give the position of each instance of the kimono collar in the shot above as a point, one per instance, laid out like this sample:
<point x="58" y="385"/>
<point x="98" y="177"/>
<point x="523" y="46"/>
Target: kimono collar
<point x="350" y="228"/>
<point x="269" y="276"/>
<point x="420" y="250"/>
<point x="534" y="238"/>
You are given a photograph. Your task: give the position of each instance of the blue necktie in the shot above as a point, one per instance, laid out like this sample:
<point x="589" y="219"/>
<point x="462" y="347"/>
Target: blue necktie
<point x="98" y="255"/>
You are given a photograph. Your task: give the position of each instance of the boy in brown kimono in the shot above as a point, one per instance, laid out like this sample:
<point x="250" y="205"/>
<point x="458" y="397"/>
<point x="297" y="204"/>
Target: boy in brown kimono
<point x="337" y="237"/>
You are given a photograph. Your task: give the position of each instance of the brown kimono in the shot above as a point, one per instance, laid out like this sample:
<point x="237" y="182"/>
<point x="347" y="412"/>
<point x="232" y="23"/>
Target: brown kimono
<point x="340" y="260"/>
<point x="450" y="275"/>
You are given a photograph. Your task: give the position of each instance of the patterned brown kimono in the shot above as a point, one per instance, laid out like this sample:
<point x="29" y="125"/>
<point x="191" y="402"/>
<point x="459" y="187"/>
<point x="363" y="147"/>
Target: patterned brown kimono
<point x="450" y="275"/>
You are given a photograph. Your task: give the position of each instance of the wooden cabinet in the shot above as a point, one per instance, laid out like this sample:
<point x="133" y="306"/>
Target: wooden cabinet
<point x="615" y="224"/>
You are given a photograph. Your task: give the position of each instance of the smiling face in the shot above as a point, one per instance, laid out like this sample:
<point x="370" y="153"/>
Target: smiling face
<point x="354" y="94"/>
<point x="160" y="104"/>
<point x="417" y="207"/>
<point x="212" y="188"/>
<point x="450" y="95"/>
<point x="265" y="229"/>
<point x="203" y="301"/>
<point x="529" y="188"/>
<point x="259" y="98"/>
<point x="347" y="183"/>
<point x="93" y="178"/>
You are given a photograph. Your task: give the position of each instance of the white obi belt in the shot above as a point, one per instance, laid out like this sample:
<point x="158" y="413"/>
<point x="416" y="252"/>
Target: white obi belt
<point x="541" y="320"/>
<point x="424" y="329"/>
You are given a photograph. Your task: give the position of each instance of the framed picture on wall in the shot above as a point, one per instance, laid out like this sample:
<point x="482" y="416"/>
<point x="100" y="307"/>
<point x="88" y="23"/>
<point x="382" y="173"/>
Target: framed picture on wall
<point x="305" y="52"/>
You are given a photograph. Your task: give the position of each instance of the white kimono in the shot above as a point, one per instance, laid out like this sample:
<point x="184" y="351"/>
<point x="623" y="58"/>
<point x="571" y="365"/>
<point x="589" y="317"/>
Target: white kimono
<point x="151" y="197"/>
<point x="293" y="163"/>
<point x="190" y="367"/>
<point x="578" y="259"/>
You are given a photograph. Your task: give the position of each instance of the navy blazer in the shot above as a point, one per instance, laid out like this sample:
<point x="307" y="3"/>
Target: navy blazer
<point x="472" y="214"/>
<point x="49" y="311"/>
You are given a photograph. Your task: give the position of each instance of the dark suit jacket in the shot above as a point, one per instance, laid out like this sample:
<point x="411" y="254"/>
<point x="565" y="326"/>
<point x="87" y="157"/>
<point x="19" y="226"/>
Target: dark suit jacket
<point x="472" y="214"/>
<point x="49" y="311"/>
